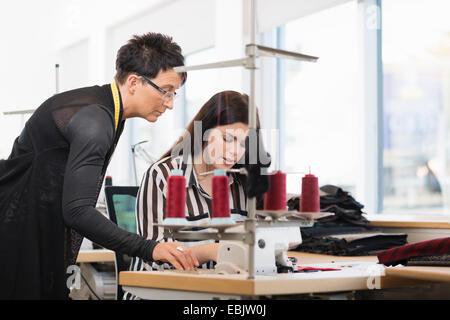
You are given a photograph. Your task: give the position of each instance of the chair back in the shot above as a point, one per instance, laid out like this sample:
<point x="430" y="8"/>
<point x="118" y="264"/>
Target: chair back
<point x="121" y="206"/>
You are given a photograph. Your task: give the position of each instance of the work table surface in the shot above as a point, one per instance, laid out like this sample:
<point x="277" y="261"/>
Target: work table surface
<point x="95" y="255"/>
<point x="409" y="221"/>
<point x="357" y="273"/>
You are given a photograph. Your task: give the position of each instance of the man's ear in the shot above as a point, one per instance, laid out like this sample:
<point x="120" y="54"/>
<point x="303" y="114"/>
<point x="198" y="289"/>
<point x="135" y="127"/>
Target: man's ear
<point x="132" y="82"/>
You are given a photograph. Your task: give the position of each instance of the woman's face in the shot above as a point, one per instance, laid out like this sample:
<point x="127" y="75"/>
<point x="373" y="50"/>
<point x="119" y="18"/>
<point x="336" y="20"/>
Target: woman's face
<point x="226" y="145"/>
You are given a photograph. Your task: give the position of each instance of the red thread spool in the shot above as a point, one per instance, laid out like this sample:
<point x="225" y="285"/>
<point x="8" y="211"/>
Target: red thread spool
<point x="275" y="198"/>
<point x="176" y="195"/>
<point x="310" y="199"/>
<point x="221" y="195"/>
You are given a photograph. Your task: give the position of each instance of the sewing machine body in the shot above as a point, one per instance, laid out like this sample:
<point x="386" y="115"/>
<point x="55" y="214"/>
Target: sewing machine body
<point x="270" y="248"/>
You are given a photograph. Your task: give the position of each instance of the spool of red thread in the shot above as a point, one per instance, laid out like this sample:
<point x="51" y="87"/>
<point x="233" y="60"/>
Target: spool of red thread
<point x="275" y="198"/>
<point x="176" y="199"/>
<point x="310" y="198"/>
<point x="221" y="199"/>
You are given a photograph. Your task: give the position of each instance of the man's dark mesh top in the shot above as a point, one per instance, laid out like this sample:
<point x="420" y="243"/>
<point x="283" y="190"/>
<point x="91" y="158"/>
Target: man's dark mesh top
<point x="49" y="187"/>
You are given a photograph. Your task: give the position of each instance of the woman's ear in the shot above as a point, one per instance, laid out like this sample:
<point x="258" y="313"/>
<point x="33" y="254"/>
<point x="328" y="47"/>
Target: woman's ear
<point x="132" y="82"/>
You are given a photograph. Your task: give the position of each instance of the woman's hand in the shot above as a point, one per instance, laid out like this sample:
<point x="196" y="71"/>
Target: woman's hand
<point x="206" y="252"/>
<point x="181" y="257"/>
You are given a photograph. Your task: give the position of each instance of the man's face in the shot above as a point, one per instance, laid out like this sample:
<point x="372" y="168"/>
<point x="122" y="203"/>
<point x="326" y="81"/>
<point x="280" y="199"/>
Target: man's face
<point x="149" y="102"/>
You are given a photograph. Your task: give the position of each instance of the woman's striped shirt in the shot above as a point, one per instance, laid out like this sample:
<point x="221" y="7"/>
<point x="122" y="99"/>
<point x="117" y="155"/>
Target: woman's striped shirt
<point x="151" y="204"/>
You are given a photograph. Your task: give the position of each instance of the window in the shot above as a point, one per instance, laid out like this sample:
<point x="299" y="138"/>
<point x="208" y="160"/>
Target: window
<point x="416" y="106"/>
<point x="321" y="113"/>
<point x="201" y="85"/>
<point x="198" y="89"/>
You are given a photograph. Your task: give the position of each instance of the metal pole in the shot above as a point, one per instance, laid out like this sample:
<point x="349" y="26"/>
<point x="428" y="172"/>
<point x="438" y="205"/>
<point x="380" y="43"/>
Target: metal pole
<point x="57" y="78"/>
<point x="252" y="125"/>
<point x="134" y="164"/>
<point x="252" y="108"/>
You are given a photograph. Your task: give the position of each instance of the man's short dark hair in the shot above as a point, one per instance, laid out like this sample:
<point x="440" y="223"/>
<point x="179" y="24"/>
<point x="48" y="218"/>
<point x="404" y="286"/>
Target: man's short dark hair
<point x="147" y="55"/>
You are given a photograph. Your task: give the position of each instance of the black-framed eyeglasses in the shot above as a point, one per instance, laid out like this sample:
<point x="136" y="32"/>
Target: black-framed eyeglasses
<point x="166" y="94"/>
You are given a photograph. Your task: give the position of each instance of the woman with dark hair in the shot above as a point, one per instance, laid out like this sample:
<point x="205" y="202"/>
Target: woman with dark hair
<point x="214" y="139"/>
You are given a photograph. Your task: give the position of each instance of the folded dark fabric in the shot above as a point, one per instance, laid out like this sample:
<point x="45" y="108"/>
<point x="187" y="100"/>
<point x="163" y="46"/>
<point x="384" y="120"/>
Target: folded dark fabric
<point x="323" y="245"/>
<point x="347" y="232"/>
<point x="347" y="211"/>
<point x="320" y="230"/>
<point x="344" y="216"/>
<point x="431" y="260"/>
<point x="350" y="244"/>
<point x="372" y="244"/>
<point x="334" y="195"/>
<point x="401" y="255"/>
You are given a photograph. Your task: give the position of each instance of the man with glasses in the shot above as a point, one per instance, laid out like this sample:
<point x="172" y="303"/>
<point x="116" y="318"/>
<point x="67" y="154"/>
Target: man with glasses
<point x="50" y="183"/>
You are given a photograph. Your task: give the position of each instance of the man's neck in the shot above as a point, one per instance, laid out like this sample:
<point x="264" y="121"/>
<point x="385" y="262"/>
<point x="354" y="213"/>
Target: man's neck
<point x="124" y="94"/>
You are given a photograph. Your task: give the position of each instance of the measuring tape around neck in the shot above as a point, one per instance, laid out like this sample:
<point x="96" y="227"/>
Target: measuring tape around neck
<point x="116" y="97"/>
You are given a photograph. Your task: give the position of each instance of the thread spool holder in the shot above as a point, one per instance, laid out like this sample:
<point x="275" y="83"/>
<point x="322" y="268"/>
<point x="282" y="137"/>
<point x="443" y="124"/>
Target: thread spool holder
<point x="253" y="52"/>
<point x="248" y="236"/>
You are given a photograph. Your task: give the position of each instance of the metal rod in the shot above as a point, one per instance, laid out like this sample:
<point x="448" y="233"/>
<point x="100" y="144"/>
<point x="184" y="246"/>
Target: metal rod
<point x="251" y="203"/>
<point x="57" y="78"/>
<point x="186" y="235"/>
<point x="19" y="112"/>
<point x="252" y="21"/>
<point x="278" y="53"/>
<point x="242" y="62"/>
<point x="253" y="51"/>
<point x="241" y="171"/>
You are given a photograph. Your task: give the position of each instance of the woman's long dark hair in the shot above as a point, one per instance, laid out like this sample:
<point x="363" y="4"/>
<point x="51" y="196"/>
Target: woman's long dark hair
<point x="224" y="108"/>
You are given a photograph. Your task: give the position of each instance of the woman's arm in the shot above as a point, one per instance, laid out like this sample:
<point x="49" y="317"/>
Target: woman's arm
<point x="90" y="134"/>
<point x="150" y="207"/>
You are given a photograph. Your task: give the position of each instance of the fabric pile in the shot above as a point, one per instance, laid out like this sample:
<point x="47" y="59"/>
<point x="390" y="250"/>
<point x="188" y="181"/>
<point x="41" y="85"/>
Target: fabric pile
<point x="347" y="232"/>
<point x="434" y="252"/>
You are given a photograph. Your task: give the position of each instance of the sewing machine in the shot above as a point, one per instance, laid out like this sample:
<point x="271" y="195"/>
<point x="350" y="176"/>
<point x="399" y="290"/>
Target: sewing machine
<point x="256" y="246"/>
<point x="270" y="252"/>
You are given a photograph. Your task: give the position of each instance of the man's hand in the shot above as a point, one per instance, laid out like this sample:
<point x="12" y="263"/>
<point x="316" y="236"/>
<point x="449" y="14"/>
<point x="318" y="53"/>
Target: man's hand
<point x="181" y="257"/>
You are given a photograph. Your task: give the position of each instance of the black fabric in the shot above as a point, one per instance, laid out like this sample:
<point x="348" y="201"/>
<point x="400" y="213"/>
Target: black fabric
<point x="49" y="186"/>
<point x="330" y="239"/>
<point x="442" y="259"/>
<point x="334" y="195"/>
<point x="320" y="230"/>
<point x="328" y="235"/>
<point x="341" y="247"/>
<point x="347" y="211"/>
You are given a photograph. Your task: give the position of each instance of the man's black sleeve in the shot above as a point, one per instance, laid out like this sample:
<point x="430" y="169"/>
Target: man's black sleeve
<point x="90" y="134"/>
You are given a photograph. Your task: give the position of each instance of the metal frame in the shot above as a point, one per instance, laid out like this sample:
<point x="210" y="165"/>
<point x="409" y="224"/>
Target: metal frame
<point x="253" y="52"/>
<point x="371" y="77"/>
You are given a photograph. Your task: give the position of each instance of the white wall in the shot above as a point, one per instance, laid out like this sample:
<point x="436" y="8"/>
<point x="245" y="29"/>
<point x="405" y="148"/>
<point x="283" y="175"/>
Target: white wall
<point x="26" y="62"/>
<point x="163" y="133"/>
<point x="83" y="37"/>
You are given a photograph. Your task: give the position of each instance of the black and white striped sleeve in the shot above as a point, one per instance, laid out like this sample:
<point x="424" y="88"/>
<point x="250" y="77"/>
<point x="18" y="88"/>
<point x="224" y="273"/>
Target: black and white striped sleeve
<point x="151" y="200"/>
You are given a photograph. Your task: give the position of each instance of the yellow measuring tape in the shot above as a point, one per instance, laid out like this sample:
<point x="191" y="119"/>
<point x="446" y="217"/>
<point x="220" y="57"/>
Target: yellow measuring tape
<point x="116" y="97"/>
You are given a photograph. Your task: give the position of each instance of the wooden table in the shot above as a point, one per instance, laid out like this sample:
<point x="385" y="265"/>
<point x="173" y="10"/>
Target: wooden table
<point x="409" y="221"/>
<point x="96" y="255"/>
<point x="439" y="274"/>
<point x="357" y="273"/>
